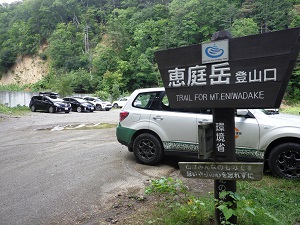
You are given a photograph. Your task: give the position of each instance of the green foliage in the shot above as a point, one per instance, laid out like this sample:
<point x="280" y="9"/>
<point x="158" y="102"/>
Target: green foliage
<point x="245" y="211"/>
<point x="267" y="202"/>
<point x="18" y="110"/>
<point x="244" y="27"/>
<point x="166" y="186"/>
<point x="271" y="15"/>
<point x="114" y="41"/>
<point x="115" y="92"/>
<point x="13" y="87"/>
<point x="65" y="49"/>
<point x="102" y="95"/>
<point x="292" y="109"/>
<point x="178" y="205"/>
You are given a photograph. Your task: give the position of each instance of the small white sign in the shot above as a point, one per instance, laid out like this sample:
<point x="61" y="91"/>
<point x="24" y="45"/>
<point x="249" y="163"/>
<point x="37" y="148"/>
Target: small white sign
<point x="216" y="51"/>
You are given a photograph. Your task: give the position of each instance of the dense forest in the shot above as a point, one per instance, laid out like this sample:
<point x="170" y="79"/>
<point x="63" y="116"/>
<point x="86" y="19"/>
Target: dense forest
<point x="107" y="46"/>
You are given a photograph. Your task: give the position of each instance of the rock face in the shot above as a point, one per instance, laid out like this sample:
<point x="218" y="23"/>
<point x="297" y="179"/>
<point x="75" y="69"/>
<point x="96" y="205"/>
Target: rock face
<point x="27" y="70"/>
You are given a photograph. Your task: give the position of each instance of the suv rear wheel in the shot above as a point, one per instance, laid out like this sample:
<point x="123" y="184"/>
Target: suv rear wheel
<point x="284" y="160"/>
<point x="147" y="149"/>
<point x="78" y="109"/>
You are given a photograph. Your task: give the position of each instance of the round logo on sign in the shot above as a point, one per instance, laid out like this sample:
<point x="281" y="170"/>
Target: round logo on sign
<point x="214" y="51"/>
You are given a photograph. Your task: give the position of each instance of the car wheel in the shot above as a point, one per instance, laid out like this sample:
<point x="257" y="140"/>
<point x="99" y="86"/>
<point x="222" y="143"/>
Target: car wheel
<point x="32" y="108"/>
<point x="147" y="149"/>
<point x="78" y="109"/>
<point x="115" y="105"/>
<point x="98" y="108"/>
<point x="284" y="161"/>
<point x="51" y="109"/>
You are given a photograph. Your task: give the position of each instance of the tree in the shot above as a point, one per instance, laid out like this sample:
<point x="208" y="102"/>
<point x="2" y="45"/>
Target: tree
<point x="295" y="16"/>
<point x="272" y="14"/>
<point x="66" y="48"/>
<point x="244" y="27"/>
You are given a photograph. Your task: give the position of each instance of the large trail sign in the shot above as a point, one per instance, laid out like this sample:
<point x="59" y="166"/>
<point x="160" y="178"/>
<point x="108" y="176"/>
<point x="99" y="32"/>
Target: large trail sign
<point x="233" y="73"/>
<point x="246" y="72"/>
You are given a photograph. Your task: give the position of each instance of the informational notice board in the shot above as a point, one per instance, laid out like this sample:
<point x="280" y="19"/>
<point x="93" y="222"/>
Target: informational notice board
<point x="233" y="73"/>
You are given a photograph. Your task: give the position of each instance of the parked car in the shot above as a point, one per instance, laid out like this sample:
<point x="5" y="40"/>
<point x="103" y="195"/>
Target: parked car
<point x="151" y="129"/>
<point x="48" y="104"/>
<point x="99" y="104"/>
<point x="120" y="102"/>
<point x="79" y="104"/>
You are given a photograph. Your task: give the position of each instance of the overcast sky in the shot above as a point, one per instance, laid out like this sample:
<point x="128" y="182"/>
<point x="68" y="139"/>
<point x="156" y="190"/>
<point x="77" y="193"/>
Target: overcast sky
<point x="8" y="1"/>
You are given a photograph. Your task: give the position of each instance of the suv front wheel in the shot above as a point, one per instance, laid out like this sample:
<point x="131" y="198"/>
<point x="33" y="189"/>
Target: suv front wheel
<point x="284" y="160"/>
<point x="147" y="149"/>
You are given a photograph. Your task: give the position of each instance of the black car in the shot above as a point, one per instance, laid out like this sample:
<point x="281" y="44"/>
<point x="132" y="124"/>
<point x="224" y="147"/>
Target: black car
<point x="48" y="104"/>
<point x="79" y="105"/>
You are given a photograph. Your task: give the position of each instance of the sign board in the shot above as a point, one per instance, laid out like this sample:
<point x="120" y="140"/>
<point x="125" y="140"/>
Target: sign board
<point x="222" y="170"/>
<point x="256" y="71"/>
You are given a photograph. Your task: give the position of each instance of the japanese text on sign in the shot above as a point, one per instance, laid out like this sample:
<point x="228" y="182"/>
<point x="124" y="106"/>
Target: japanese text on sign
<point x="220" y="74"/>
<point x="220" y="137"/>
<point x="222" y="171"/>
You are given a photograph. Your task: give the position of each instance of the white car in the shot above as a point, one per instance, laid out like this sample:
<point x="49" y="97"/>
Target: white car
<point x="99" y="104"/>
<point x="120" y="102"/>
<point x="151" y="129"/>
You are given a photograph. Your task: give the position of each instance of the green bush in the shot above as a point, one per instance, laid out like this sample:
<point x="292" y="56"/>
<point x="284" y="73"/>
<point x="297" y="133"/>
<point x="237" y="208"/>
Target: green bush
<point x="271" y="201"/>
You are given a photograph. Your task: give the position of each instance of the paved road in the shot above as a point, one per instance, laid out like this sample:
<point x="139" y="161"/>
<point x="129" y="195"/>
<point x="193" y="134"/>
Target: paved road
<point x="51" y="173"/>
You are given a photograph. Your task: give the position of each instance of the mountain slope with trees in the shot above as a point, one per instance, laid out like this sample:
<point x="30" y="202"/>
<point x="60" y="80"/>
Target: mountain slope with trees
<point x="109" y="45"/>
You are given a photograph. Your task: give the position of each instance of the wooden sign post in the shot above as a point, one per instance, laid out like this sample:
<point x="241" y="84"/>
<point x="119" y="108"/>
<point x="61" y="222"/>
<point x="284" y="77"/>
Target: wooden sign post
<point x="224" y="143"/>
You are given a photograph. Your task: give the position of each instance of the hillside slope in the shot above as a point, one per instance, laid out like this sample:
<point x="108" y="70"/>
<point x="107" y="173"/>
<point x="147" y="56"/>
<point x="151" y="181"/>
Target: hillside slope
<point x="27" y="70"/>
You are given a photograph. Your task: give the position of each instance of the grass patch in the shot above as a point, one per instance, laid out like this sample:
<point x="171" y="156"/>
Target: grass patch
<point x="293" y="109"/>
<point x="18" y="110"/>
<point x="278" y="197"/>
<point x="271" y="201"/>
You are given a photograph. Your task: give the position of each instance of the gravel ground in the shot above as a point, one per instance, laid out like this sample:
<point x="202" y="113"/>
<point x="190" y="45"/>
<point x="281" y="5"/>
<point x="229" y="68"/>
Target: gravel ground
<point x="91" y="198"/>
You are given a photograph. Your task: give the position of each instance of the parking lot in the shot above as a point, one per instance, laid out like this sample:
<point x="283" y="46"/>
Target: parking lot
<point x="64" y="168"/>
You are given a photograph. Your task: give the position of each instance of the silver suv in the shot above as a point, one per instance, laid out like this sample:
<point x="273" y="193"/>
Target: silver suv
<point x="99" y="104"/>
<point x="150" y="129"/>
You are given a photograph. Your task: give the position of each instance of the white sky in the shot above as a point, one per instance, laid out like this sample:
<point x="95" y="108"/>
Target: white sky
<point x="8" y="1"/>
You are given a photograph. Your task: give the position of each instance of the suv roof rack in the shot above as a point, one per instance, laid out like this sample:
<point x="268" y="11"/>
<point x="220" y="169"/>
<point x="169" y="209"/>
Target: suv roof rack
<point x="49" y="93"/>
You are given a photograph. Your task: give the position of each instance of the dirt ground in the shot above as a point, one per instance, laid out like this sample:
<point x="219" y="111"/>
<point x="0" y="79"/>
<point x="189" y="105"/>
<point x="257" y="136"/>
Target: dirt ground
<point x="134" y="208"/>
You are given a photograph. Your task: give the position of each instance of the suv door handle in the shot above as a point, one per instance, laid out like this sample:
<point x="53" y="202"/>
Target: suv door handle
<point x="158" y="118"/>
<point x="203" y="121"/>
